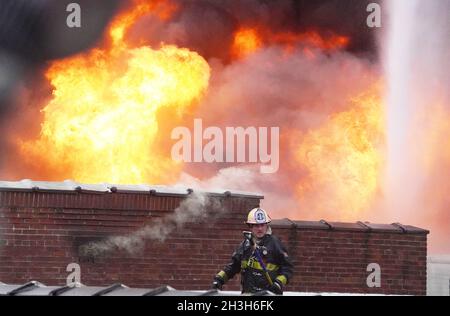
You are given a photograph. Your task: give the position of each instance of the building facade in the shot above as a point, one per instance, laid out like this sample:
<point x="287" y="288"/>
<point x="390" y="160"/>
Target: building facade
<point x="46" y="226"/>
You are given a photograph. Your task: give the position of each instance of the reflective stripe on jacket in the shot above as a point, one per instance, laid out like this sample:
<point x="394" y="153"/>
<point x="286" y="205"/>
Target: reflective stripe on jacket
<point x="253" y="279"/>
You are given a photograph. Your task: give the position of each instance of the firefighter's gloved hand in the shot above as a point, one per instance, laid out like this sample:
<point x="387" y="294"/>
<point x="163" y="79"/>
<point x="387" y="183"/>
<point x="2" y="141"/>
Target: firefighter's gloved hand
<point x="218" y="283"/>
<point x="276" y="288"/>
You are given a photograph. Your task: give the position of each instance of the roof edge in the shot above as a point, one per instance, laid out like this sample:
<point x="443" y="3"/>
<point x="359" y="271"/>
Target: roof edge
<point x="364" y="227"/>
<point x="69" y="186"/>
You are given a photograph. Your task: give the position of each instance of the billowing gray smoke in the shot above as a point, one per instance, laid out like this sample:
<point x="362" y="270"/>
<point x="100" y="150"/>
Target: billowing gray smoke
<point x="207" y="26"/>
<point x="34" y="31"/>
<point x="297" y="94"/>
<point x="195" y="208"/>
<point x="293" y="92"/>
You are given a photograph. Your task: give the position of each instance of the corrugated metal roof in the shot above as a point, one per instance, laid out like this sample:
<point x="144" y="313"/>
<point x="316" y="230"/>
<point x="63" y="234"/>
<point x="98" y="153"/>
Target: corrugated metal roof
<point x="69" y="185"/>
<point x="34" y="288"/>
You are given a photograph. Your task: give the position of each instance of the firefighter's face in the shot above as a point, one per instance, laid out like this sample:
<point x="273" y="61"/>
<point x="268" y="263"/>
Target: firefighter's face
<point x="259" y="230"/>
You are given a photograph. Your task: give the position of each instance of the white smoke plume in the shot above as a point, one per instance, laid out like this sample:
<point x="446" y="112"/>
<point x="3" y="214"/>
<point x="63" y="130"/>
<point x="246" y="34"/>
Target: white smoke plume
<point x="195" y="208"/>
<point x="248" y="178"/>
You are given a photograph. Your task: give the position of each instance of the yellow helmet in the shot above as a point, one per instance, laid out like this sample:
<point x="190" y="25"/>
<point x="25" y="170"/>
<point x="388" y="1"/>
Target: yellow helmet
<point x="258" y="216"/>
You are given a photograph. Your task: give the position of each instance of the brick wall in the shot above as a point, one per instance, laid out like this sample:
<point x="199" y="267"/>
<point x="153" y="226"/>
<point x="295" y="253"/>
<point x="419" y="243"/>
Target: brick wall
<point x="41" y="232"/>
<point x="334" y="257"/>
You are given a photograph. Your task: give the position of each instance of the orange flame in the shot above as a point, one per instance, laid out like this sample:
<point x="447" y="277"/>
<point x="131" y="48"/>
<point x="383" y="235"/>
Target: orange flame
<point x="247" y="40"/>
<point x="164" y="9"/>
<point x="101" y="124"/>
<point x="311" y="38"/>
<point x="343" y="160"/>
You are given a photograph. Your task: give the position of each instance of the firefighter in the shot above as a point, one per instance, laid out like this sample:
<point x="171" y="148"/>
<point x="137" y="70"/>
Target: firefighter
<point x="261" y="258"/>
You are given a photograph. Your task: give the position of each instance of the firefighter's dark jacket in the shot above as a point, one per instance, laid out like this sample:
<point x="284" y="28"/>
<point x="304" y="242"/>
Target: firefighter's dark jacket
<point x="253" y="279"/>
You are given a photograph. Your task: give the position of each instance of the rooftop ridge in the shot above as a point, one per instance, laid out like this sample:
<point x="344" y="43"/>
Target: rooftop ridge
<point x="70" y="185"/>
<point x="349" y="226"/>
